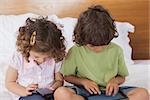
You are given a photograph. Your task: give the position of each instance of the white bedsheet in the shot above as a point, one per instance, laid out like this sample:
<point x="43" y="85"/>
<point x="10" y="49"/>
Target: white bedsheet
<point x="139" y="76"/>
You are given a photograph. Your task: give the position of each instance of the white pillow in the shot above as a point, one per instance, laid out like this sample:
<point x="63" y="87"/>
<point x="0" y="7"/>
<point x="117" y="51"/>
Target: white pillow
<point x="9" y="25"/>
<point x="122" y="28"/>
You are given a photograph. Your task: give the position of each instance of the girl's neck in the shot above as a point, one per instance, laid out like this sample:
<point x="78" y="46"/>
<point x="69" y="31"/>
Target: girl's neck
<point x="96" y="49"/>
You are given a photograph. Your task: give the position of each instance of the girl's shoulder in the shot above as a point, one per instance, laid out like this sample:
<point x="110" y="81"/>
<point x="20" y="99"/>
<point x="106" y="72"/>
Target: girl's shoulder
<point x="17" y="56"/>
<point x="16" y="59"/>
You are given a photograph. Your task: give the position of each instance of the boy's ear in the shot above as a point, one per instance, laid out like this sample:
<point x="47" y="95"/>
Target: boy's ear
<point x="59" y="26"/>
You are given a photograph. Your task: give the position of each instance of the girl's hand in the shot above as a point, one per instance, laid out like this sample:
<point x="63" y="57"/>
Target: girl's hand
<point x="56" y="84"/>
<point x="112" y="87"/>
<point x="90" y="86"/>
<point x="30" y="88"/>
<point x="58" y="81"/>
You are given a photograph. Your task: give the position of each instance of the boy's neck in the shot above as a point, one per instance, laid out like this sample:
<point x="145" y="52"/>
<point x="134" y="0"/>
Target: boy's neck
<point x="96" y="49"/>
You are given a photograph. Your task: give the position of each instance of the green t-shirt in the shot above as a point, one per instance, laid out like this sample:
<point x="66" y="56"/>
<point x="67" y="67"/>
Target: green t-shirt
<point x="99" y="67"/>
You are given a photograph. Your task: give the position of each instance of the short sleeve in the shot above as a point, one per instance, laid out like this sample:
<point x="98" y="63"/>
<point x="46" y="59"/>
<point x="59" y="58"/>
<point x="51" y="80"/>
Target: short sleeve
<point x="69" y="64"/>
<point x="15" y="60"/>
<point x="122" y="70"/>
<point x="58" y="66"/>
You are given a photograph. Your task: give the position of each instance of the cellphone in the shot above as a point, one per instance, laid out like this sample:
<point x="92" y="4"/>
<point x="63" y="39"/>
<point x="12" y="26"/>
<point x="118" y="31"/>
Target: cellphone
<point x="103" y="90"/>
<point x="43" y="91"/>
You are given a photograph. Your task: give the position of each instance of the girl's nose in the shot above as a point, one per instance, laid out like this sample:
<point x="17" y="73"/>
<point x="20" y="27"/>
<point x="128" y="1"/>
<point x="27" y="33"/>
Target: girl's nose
<point x="41" y="60"/>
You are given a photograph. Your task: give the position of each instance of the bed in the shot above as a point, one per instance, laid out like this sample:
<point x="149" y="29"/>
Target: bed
<point x="139" y="76"/>
<point x="131" y="20"/>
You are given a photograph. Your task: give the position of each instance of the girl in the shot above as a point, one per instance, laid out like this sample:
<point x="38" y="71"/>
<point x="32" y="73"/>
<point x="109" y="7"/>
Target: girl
<point x="33" y="72"/>
<point x="94" y="65"/>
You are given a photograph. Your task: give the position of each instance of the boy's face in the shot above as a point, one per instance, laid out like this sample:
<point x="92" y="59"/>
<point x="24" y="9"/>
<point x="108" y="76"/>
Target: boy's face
<point x="39" y="57"/>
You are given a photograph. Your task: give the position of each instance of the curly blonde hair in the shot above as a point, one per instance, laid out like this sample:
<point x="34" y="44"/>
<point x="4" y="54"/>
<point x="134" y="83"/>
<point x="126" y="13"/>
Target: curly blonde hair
<point x="48" y="38"/>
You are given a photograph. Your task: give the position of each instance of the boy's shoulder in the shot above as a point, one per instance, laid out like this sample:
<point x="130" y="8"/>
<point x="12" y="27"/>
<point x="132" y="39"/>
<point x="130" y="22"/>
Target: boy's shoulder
<point x="111" y="45"/>
<point x="115" y="46"/>
<point x="75" y="47"/>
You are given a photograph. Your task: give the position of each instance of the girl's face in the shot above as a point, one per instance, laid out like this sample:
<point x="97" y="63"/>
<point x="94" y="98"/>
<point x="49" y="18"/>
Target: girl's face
<point x="39" y="57"/>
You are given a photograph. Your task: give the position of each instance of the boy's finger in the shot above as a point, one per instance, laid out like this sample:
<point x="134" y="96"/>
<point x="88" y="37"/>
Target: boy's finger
<point x="88" y="89"/>
<point x="110" y="90"/>
<point x="93" y="90"/>
<point x="107" y="89"/>
<point x="96" y="88"/>
<point x="115" y="91"/>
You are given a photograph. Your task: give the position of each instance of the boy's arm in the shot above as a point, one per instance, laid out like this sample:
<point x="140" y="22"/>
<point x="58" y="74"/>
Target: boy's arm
<point x="119" y="79"/>
<point x="89" y="85"/>
<point x="113" y="85"/>
<point x="10" y="82"/>
<point x="74" y="80"/>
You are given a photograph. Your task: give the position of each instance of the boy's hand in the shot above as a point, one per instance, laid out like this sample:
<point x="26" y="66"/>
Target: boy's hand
<point x="30" y="88"/>
<point x="91" y="86"/>
<point x="112" y="87"/>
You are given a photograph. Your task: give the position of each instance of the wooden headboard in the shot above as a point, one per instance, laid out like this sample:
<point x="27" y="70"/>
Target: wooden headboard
<point x="133" y="11"/>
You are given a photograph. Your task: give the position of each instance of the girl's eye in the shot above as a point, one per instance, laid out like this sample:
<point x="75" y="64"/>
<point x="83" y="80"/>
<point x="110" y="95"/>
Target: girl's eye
<point x="36" y="57"/>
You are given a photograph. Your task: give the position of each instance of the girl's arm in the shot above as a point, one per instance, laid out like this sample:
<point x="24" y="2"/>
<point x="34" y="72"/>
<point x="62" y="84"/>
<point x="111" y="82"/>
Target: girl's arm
<point x="11" y="84"/>
<point x="58" y="81"/>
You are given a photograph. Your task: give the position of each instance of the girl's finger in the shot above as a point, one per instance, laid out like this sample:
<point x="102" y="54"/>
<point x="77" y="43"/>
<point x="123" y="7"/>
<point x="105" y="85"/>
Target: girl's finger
<point x="33" y="85"/>
<point x="29" y="93"/>
<point x="51" y="88"/>
<point x="31" y="89"/>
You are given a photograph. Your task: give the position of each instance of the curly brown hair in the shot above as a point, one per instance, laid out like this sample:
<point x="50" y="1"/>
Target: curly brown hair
<point x="95" y="26"/>
<point x="48" y="39"/>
